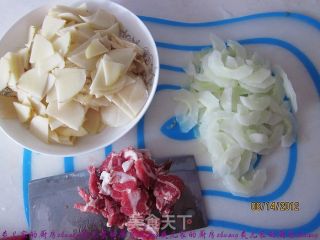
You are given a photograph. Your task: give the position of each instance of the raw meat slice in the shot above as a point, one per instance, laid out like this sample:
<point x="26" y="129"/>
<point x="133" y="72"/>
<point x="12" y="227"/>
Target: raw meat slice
<point x="163" y="168"/>
<point x="107" y="207"/>
<point x="145" y="232"/>
<point x="129" y="184"/>
<point x="123" y="182"/>
<point x="135" y="202"/>
<point x="168" y="189"/>
<point x="93" y="182"/>
<point x="145" y="169"/>
<point x="113" y="160"/>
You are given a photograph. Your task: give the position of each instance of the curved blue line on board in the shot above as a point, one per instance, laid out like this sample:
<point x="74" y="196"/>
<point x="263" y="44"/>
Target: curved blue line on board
<point x="171" y="68"/>
<point x="162" y="87"/>
<point x="203" y="168"/>
<point x="308" y="227"/>
<point x="140" y="134"/>
<point x="26" y="175"/>
<point x="107" y="150"/>
<point x="189" y="48"/>
<point x="270" y="41"/>
<point x="292" y="15"/>
<point x="68" y="164"/>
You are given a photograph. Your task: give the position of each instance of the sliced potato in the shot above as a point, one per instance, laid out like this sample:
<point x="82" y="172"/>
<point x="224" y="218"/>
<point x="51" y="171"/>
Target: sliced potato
<point x="93" y="121"/>
<point x="67" y="9"/>
<point x="118" y="42"/>
<point x="4" y="73"/>
<point x="80" y="32"/>
<point x="100" y="19"/>
<point x="69" y="81"/>
<point x="31" y="34"/>
<point x="67" y="140"/>
<point x="39" y="126"/>
<point x="99" y="102"/>
<point x="114" y="116"/>
<point x="38" y="106"/>
<point x="113" y="89"/>
<point x="81" y="61"/>
<point x="112" y="71"/>
<point x="62" y="44"/>
<point x="54" y="123"/>
<point x="108" y="93"/>
<point x="24" y="112"/>
<point x="70" y="17"/>
<point x="134" y="96"/>
<point x="82" y="47"/>
<point x="85" y="28"/>
<point x="50" y="83"/>
<point x="55" y="138"/>
<point x="33" y="82"/>
<point x="51" y="96"/>
<point x="23" y="97"/>
<point x="73" y="76"/>
<point x="15" y="63"/>
<point x="95" y="48"/>
<point x="124" y="56"/>
<point x="83" y="7"/>
<point x="114" y="29"/>
<point x="69" y="132"/>
<point x="26" y="101"/>
<point x="41" y="49"/>
<point x="98" y="82"/>
<point x="122" y="106"/>
<point x="7" y="110"/>
<point x="24" y="53"/>
<point x="83" y="99"/>
<point x="50" y="63"/>
<point x="71" y="113"/>
<point x="51" y="25"/>
<point x="106" y="42"/>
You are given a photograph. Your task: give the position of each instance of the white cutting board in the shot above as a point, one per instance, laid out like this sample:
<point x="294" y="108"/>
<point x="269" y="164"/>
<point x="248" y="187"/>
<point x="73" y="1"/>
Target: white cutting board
<point x="293" y="174"/>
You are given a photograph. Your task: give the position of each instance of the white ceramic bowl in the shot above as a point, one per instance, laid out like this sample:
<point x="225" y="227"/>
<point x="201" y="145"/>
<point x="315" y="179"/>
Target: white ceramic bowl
<point x="16" y="37"/>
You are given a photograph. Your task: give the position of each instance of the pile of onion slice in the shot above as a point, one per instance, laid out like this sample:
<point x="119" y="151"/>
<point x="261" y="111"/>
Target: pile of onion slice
<point x="242" y="106"/>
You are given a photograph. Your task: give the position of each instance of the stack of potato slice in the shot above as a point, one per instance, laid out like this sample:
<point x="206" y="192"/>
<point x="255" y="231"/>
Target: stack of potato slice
<point x="74" y="76"/>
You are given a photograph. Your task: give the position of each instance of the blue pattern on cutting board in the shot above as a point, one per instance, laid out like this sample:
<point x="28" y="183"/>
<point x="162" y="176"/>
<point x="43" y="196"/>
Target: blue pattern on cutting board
<point x="68" y="164"/>
<point x="171" y="68"/>
<point x="107" y="150"/>
<point x="310" y="226"/>
<point x="291" y="15"/>
<point x="26" y="176"/>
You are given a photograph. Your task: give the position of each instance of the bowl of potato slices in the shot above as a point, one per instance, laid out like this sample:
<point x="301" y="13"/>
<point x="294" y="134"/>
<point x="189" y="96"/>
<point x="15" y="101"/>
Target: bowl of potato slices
<point x="74" y="79"/>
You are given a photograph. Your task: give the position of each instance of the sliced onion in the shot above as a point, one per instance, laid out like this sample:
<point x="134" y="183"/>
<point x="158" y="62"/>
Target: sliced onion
<point x="187" y="110"/>
<point x="237" y="101"/>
